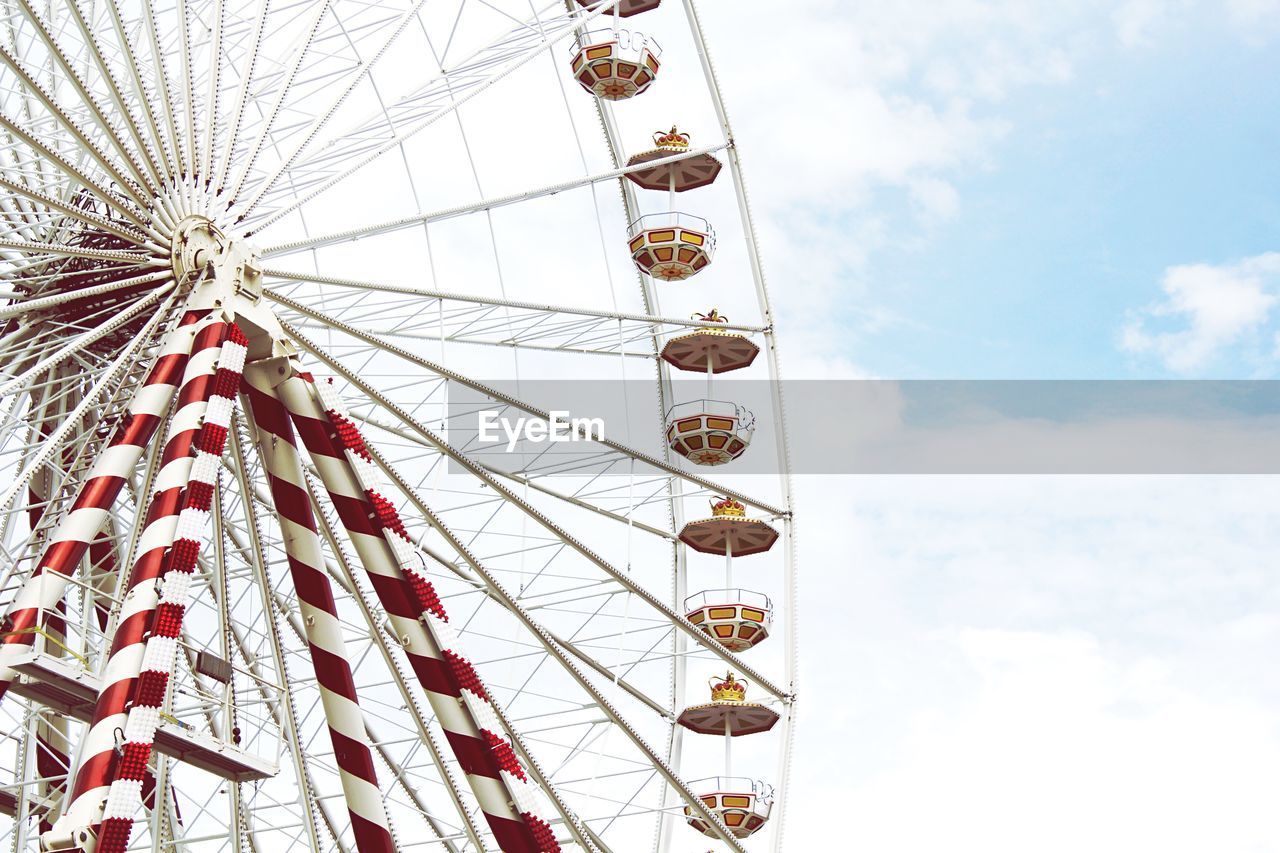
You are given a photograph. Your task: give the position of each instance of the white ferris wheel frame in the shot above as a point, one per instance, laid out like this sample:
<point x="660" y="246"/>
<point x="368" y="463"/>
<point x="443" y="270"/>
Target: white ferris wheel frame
<point x="149" y="144"/>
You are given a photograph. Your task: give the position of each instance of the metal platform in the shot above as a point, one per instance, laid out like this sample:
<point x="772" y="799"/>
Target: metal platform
<point x="62" y="684"/>
<point x="9" y="804"/>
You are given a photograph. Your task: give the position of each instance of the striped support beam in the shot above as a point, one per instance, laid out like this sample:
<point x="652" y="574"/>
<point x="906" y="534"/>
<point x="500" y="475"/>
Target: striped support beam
<point x="354" y="757"/>
<point x="53" y="744"/>
<point x="70" y="539"/>
<point x="510" y="801"/>
<point x="124" y="797"/>
<point x="123" y="666"/>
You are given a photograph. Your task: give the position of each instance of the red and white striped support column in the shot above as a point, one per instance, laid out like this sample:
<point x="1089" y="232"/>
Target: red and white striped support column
<point x="69" y="541"/>
<point x="354" y="757"/>
<point x="119" y="674"/>
<point x="511" y="803"/>
<point x="53" y="744"/>
<point x="125" y="795"/>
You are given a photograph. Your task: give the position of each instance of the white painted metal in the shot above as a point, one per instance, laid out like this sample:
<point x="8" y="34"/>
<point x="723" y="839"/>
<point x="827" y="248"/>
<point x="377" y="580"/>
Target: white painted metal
<point x="122" y="123"/>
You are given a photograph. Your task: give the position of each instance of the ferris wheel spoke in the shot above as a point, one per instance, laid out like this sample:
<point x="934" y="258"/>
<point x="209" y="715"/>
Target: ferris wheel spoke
<point x="688" y="628"/>
<point x="77" y="176"/>
<point x="36" y="252"/>
<point x="216" y="173"/>
<point x="576" y="336"/>
<point x="79" y="214"/>
<point x="158" y="147"/>
<point x="77" y="344"/>
<point x="474" y="299"/>
<point x="97" y="111"/>
<point x="548" y="643"/>
<point x="163" y="86"/>
<point x="151" y="165"/>
<point x="188" y="79"/>
<point x="361" y="145"/>
<point x="215" y="58"/>
<point x="484" y="206"/>
<point x="489" y="391"/>
<point x="273" y="113"/>
<point x="536" y="484"/>
<point x="163" y="279"/>
<point x="311" y="133"/>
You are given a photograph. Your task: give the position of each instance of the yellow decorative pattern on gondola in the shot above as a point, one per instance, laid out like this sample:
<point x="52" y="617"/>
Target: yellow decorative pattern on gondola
<point x="742" y="805"/>
<point x="737" y="619"/>
<point x="615" y="64"/>
<point x="709" y="432"/>
<point x="671" y="246"/>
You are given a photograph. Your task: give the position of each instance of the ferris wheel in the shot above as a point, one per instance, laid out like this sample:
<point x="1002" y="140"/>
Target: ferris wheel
<point x="266" y="585"/>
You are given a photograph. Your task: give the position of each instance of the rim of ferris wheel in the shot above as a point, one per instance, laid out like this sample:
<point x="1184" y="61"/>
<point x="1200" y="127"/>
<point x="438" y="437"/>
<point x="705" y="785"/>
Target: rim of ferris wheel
<point x="679" y="176"/>
<point x="738" y="619"/>
<point x="728" y="713"/>
<point x="671" y="246"/>
<point x="743" y="804"/>
<point x="710" y="348"/>
<point x="729" y="531"/>
<point x="615" y="64"/>
<point x="626" y="8"/>
<point x="709" y="432"/>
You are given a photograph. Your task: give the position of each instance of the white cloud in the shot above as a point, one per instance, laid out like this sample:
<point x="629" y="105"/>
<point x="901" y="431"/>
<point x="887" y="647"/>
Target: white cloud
<point x="881" y="102"/>
<point x="935" y="197"/>
<point x="887" y="103"/>
<point x="1212" y="309"/>
<point x="1038" y="663"/>
<point x="1255" y="20"/>
<point x="1139" y="22"/>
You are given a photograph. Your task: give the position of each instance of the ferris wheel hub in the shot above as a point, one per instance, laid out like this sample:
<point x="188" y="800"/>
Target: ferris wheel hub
<point x="196" y="243"/>
<point x="224" y="276"/>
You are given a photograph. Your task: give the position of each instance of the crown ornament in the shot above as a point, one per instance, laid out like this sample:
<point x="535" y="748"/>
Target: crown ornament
<point x="671" y="139"/>
<point x="729" y="689"/>
<point x="712" y="316"/>
<point x="728" y="508"/>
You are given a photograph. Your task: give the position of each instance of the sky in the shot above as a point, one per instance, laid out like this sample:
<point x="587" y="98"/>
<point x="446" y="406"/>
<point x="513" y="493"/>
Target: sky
<point x="1017" y="190"/>
<point x="982" y="189"/>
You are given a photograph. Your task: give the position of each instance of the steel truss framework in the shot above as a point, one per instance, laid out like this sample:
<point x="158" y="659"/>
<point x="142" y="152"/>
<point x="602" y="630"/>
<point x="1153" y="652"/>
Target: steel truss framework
<point x="258" y="594"/>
